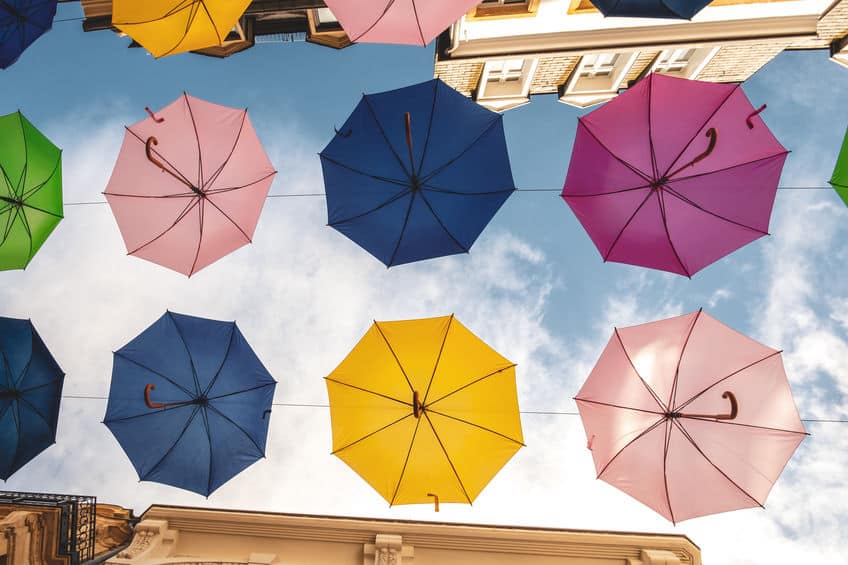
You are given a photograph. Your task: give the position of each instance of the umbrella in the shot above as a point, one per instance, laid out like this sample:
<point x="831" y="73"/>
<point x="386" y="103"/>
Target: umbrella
<point x="674" y="174"/>
<point x="689" y="417"/>
<point x="189" y="184"/>
<point x="30" y="388"/>
<point x="839" y="180"/>
<point x="405" y="22"/>
<point x="190" y="403"/>
<point x="674" y="9"/>
<point x="30" y="190"/>
<point x="167" y="27"/>
<point x="21" y="23"/>
<point x="424" y="411"/>
<point x="416" y="173"/>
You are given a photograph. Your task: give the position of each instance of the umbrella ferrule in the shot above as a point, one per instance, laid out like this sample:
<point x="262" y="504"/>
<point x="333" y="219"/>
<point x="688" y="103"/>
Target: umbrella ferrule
<point x="673" y="415"/>
<point x="10" y="393"/>
<point x="13" y="201"/>
<point x="417" y="407"/>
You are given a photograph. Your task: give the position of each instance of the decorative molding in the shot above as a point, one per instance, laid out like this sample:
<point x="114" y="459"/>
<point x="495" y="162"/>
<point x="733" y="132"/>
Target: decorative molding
<point x="387" y="549"/>
<point x="152" y="539"/>
<point x="654" y="557"/>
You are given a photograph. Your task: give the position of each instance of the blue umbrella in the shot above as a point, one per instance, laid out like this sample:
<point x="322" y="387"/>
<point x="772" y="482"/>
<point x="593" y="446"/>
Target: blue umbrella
<point x="416" y="173"/>
<point x="190" y="403"/>
<point x="30" y="388"/>
<point x="21" y="23"/>
<point x="674" y="9"/>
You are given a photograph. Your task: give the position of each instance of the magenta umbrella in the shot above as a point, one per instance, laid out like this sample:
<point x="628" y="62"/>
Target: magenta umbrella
<point x="674" y="174"/>
<point x="689" y="416"/>
<point x="407" y="22"/>
<point x="189" y="184"/>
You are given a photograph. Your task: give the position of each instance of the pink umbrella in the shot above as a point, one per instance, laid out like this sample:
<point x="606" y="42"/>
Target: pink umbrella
<point x="408" y="22"/>
<point x="689" y="417"/>
<point x="674" y="174"/>
<point x="189" y="184"/>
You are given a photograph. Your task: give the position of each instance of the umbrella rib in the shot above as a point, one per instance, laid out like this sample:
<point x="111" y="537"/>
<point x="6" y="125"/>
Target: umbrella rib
<point x="599" y="403"/>
<point x="157" y="373"/>
<point x="259" y="450"/>
<point x="439" y="220"/>
<point x="150" y="413"/>
<point x="251" y="389"/>
<point x="734" y="373"/>
<point x="445" y="451"/>
<point x="460" y="193"/>
<point x="176" y="441"/>
<point x="694" y="204"/>
<point x="200" y="182"/>
<point x="36" y="411"/>
<point x="389" y="345"/>
<point x="43" y="385"/>
<point x="695" y="135"/>
<point x="429" y="128"/>
<point x="22" y="180"/>
<point x="632" y="169"/>
<point x="223" y="361"/>
<point x="191" y="17"/>
<point x="626" y="224"/>
<point x="178" y="8"/>
<point x="205" y="417"/>
<point x="25" y="223"/>
<point x="752" y="426"/>
<point x="29" y="194"/>
<point x="650" y="130"/>
<point x="728" y="168"/>
<point x="212" y="21"/>
<point x="188" y="352"/>
<point x="226" y="162"/>
<point x="438" y="358"/>
<point x="387" y="426"/>
<point x="418" y="24"/>
<point x="405" y="461"/>
<point x="202" y="209"/>
<point x="161" y="157"/>
<point x="214" y="191"/>
<point x="474" y="382"/>
<point x="387" y="397"/>
<point x="611" y="193"/>
<point x="633" y="366"/>
<point x="402" y="229"/>
<point x="704" y="455"/>
<point x="380" y="17"/>
<point x="497" y="119"/>
<point x="661" y="201"/>
<point x="363" y="173"/>
<point x="644" y="432"/>
<point x="188" y="208"/>
<point x="668" y="430"/>
<point x="484" y="428"/>
<point x="672" y="397"/>
<point x="232" y="221"/>
<point x="383" y="133"/>
<point x="371" y="211"/>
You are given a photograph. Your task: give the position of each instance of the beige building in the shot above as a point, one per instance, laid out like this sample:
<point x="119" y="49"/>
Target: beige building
<point x="168" y="535"/>
<point x="504" y="51"/>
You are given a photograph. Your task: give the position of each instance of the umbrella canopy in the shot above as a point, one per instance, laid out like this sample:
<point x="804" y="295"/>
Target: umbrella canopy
<point x="674" y="9"/>
<point x="30" y="389"/>
<point x="689" y="416"/>
<point x="167" y="27"/>
<point x="405" y="22"/>
<point x="424" y="411"/>
<point x="190" y="403"/>
<point x="839" y="180"/>
<point x="189" y="184"/>
<point x="674" y="174"/>
<point x="30" y="190"/>
<point x="416" y="173"/>
<point x="21" y="23"/>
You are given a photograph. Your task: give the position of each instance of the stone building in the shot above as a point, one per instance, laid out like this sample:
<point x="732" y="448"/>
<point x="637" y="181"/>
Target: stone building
<point x="170" y="535"/>
<point x="504" y="51"/>
<point x="265" y="21"/>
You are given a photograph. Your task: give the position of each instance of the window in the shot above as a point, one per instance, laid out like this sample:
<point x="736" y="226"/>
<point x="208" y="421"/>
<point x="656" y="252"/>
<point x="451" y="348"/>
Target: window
<point x="325" y="20"/>
<point x="684" y="62"/>
<point x="504" y="9"/>
<point x="505" y="83"/>
<point x="325" y="29"/>
<point x="596" y="78"/>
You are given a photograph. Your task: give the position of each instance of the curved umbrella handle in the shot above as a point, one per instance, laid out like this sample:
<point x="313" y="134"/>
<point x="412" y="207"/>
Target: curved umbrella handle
<point x="734" y="409"/>
<point x="754" y="113"/>
<point x="148" y="149"/>
<point x="712" y="133"/>
<point x="152" y="115"/>
<point x="150" y="404"/>
<point x="435" y="500"/>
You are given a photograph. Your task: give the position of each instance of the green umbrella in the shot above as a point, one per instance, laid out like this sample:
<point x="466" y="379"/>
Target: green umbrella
<point x="839" y="180"/>
<point x="30" y="190"/>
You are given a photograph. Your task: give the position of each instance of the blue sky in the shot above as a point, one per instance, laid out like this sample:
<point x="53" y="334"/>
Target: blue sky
<point x="533" y="286"/>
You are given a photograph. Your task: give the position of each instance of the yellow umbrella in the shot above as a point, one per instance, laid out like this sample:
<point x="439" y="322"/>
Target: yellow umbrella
<point x="424" y="411"/>
<point x="166" y="27"/>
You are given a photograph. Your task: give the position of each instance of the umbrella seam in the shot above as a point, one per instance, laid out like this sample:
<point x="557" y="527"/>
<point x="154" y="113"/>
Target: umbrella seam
<point x="498" y="119"/>
<point x="205" y="417"/>
<point x="450" y="462"/>
<point x="36" y="412"/>
<point x="611" y="193"/>
<point x="606" y="255"/>
<point x="387" y="397"/>
<point x="607" y="404"/>
<point x="223" y="361"/>
<point x="56" y="381"/>
<point x="474" y="382"/>
<point x="25" y="222"/>
<point x="438" y="358"/>
<point x="160" y="156"/>
<point x="638" y="172"/>
<point x="370" y="434"/>
<point x="214" y="191"/>
<point x="201" y="209"/>
<point x="22" y="180"/>
<point x="439" y="220"/>
<point x="363" y="173"/>
<point x="668" y="430"/>
<point x="672" y="397"/>
<point x="432" y="188"/>
<point x="429" y="127"/>
<point x="171" y="449"/>
<point x="391" y="349"/>
<point x="402" y="229"/>
<point x="754" y="426"/>
<point x="188" y="352"/>
<point x="373" y="25"/>
<point x="226" y="162"/>
<point x="643" y="381"/>
<point x="418" y="24"/>
<point x="188" y="208"/>
<point x="251" y="389"/>
<point x="642" y="434"/>
<point x="727" y="168"/>
<point x="242" y="430"/>
<point x="200" y="182"/>
<point x="148" y="413"/>
<point x="178" y="8"/>
<point x="661" y="202"/>
<point x="484" y="428"/>
<point x="654" y="169"/>
<point x="406" y="461"/>
<point x="212" y="21"/>
<point x="32" y="191"/>
<point x="191" y="17"/>
<point x="146" y="368"/>
<point x="697" y="206"/>
<point x="383" y="133"/>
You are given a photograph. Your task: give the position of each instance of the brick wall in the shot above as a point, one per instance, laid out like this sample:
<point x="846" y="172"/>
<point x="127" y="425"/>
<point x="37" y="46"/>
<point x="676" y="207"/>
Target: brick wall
<point x="738" y="61"/>
<point x="552" y="72"/>
<point x="643" y="60"/>
<point x="834" y="24"/>
<point x="460" y="75"/>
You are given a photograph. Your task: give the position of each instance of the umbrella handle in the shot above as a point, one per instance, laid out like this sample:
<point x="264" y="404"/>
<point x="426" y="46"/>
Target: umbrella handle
<point x="148" y="149"/>
<point x="152" y="115"/>
<point x="435" y="500"/>
<point x="150" y="404"/>
<point x="712" y="133"/>
<point x="734" y="409"/>
<point x="416" y="404"/>
<point x="754" y="113"/>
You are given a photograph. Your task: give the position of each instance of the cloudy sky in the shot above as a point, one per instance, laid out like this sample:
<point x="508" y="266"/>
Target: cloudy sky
<point x="533" y="287"/>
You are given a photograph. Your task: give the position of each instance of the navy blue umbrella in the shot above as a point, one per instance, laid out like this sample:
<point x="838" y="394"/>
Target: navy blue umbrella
<point x="21" y="23"/>
<point x="190" y="402"/>
<point x="30" y="388"/>
<point x="674" y="9"/>
<point x="416" y="173"/>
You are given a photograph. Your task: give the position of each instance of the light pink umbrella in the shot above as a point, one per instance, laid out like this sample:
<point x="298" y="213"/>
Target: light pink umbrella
<point x="189" y="184"/>
<point x="689" y="416"/>
<point x="407" y="22"/>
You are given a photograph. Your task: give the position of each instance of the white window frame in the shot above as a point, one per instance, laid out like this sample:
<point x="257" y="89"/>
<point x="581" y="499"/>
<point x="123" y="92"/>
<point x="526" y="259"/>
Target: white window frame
<point x="502" y="98"/>
<point x="696" y="62"/>
<point x="583" y="91"/>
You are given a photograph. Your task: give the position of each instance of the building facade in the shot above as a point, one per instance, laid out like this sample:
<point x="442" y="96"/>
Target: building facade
<point x="504" y="51"/>
<point x="169" y="535"/>
<point x="265" y="21"/>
